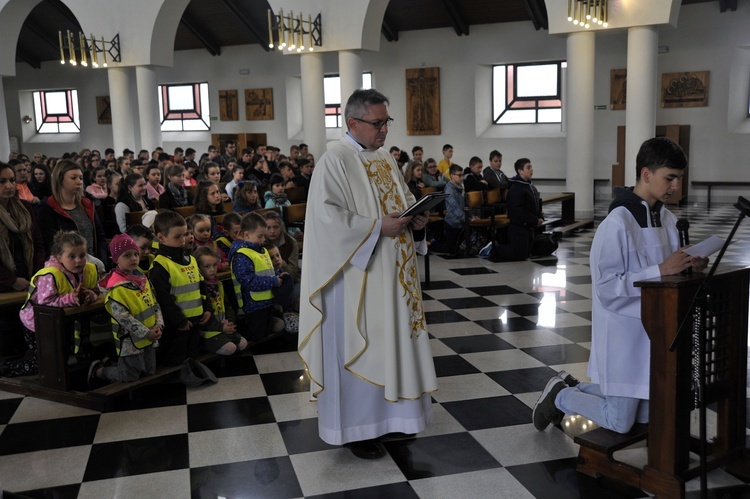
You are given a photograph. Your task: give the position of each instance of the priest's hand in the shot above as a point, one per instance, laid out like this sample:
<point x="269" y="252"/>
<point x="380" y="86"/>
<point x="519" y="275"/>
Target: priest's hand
<point x="418" y="222"/>
<point x="392" y="225"/>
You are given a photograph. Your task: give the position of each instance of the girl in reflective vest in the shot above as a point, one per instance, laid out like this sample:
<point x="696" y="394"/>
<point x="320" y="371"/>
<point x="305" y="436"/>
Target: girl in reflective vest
<point x="219" y="335"/>
<point x="67" y="280"/>
<point x="137" y="321"/>
<point x="253" y="270"/>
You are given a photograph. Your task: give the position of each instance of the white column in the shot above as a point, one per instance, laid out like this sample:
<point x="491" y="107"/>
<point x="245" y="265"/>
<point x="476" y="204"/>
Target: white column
<point x="123" y="124"/>
<point x="640" y="114"/>
<point x="350" y="71"/>
<point x="4" y="132"/>
<point x="313" y="108"/>
<point x="148" y="108"/>
<point x="580" y="121"/>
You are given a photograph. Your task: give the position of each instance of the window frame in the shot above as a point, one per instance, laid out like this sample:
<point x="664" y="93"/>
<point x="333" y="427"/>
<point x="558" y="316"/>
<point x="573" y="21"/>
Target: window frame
<point x="522" y="103"/>
<point x="199" y="113"/>
<point x="336" y="109"/>
<point x="43" y="118"/>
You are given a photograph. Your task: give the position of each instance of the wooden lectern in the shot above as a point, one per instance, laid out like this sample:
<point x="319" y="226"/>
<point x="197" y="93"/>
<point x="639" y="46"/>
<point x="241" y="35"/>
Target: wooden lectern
<point x="720" y="322"/>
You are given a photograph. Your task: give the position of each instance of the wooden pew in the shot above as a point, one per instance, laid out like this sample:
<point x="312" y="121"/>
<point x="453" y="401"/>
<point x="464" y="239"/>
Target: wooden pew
<point x="567" y="221"/>
<point x="720" y="183"/>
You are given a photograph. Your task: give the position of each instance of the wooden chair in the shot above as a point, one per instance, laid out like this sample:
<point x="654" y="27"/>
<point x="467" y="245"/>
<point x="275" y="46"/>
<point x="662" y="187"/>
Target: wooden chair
<point x="262" y="212"/>
<point x="185" y="211"/>
<point x="228" y="206"/>
<point x="134" y="217"/>
<point x="475" y="201"/>
<point x="219" y="219"/>
<point x="294" y="215"/>
<point x="296" y="195"/>
<point x="427" y="190"/>
<point x="191" y="191"/>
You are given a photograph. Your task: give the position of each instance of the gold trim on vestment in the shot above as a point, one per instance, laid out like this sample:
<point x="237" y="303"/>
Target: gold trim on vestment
<point x="309" y="299"/>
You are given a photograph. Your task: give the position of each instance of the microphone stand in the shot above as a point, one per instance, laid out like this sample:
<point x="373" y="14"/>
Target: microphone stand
<point x="701" y="295"/>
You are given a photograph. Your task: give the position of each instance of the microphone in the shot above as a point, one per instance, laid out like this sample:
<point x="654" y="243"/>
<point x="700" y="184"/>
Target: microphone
<point x="682" y="228"/>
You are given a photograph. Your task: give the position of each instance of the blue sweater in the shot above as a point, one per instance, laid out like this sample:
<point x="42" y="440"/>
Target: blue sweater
<point x="243" y="269"/>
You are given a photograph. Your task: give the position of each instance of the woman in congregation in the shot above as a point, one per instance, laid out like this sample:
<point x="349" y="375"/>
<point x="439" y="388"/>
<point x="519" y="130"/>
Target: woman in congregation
<point x="68" y="210"/>
<point x="175" y="195"/>
<point x="247" y="199"/>
<point x="208" y="201"/>
<point x="132" y="198"/>
<point x="40" y="181"/>
<point x="21" y="245"/>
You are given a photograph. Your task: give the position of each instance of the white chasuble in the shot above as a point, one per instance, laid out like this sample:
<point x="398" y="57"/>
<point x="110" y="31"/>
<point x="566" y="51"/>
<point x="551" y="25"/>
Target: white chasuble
<point x="362" y="332"/>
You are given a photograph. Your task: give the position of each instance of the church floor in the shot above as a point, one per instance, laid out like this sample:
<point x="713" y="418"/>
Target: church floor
<point x="499" y="331"/>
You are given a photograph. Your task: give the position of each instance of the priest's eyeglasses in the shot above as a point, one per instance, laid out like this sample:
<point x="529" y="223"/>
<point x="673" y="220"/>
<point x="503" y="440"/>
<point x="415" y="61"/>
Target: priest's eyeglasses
<point x="377" y="125"/>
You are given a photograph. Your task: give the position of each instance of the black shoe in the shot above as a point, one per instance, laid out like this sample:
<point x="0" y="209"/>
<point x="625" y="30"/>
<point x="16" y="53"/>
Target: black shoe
<point x="545" y="411"/>
<point x="569" y="379"/>
<point x="397" y="435"/>
<point x="366" y="449"/>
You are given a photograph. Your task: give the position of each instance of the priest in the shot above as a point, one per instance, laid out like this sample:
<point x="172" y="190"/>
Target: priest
<point x="362" y="328"/>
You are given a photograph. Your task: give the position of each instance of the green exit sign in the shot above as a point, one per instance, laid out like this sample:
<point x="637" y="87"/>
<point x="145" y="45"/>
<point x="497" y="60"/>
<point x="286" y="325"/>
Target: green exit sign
<point x="601" y="107"/>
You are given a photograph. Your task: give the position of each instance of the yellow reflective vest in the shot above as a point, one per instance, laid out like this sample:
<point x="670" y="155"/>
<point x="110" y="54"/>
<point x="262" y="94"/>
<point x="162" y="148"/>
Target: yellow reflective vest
<point x="186" y="282"/>
<point x="64" y="286"/>
<point x="263" y="267"/>
<point x="140" y="304"/>
<point x="220" y="313"/>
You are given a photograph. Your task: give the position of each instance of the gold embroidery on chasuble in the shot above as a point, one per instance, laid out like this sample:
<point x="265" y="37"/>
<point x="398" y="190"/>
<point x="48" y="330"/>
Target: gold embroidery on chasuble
<point x="381" y="178"/>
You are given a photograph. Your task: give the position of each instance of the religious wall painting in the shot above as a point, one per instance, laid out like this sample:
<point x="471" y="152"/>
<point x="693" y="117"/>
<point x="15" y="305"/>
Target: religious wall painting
<point x="259" y="104"/>
<point x="687" y="89"/>
<point x="423" y="101"/>
<point x="103" y="110"/>
<point x="228" y="105"/>
<point x="618" y="89"/>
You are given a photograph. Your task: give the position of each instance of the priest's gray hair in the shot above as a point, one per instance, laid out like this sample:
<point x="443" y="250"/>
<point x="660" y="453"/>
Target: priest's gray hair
<point x="356" y="106"/>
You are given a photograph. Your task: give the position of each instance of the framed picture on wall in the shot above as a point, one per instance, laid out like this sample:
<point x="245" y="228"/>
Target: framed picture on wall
<point x="228" y="105"/>
<point x="423" y="101"/>
<point x="688" y="89"/>
<point x="618" y="89"/>
<point x="259" y="104"/>
<point x="103" y="110"/>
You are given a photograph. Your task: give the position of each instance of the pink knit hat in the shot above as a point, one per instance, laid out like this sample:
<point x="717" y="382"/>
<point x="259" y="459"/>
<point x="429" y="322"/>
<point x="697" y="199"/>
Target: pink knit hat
<point x="120" y="244"/>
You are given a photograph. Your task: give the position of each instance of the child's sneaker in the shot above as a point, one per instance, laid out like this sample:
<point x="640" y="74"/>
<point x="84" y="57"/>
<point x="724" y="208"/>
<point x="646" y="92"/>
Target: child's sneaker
<point x="569" y="379"/>
<point x="93" y="371"/>
<point x="545" y="410"/>
<point x="487" y="250"/>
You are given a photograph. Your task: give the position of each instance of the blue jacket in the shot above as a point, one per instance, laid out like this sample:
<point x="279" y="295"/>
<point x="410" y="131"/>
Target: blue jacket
<point x="243" y="269"/>
<point x="454" y="206"/>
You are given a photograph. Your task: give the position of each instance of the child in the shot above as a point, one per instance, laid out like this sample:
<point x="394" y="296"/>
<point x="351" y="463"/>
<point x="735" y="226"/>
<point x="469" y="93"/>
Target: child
<point x="137" y="322"/>
<point x="179" y="289"/>
<point x="413" y="176"/>
<point x="254" y="272"/>
<point x="154" y="189"/>
<point x="201" y="225"/>
<point x="286" y="295"/>
<point x="455" y="217"/>
<point x="175" y="195"/>
<point x="637" y="240"/>
<point x="220" y="333"/>
<point x="238" y="173"/>
<point x="208" y="202"/>
<point x="247" y="200"/>
<point x="445" y="163"/>
<point x="276" y="197"/>
<point x="67" y="280"/>
<point x="98" y="187"/>
<point x="144" y="239"/>
<point x="232" y="230"/>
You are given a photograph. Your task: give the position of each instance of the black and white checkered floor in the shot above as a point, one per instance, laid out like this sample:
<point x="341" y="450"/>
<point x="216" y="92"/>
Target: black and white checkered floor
<point x="499" y="331"/>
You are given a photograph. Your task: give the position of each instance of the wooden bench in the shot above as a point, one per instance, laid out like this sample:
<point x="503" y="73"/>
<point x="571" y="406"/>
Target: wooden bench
<point x="53" y="347"/>
<point x="719" y="183"/>
<point x="597" y="448"/>
<point x="567" y="222"/>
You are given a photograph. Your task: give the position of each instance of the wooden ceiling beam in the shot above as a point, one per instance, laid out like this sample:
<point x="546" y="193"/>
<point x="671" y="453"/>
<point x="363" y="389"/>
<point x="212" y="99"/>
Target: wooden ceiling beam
<point x="199" y="32"/>
<point x="240" y="14"/>
<point x="389" y="31"/>
<point x="457" y="18"/>
<point x="538" y="13"/>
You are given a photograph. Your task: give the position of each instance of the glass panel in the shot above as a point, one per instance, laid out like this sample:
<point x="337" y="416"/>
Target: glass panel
<point x="332" y="90"/>
<point x="537" y="81"/>
<point x="57" y="102"/>
<point x="498" y="91"/>
<point x="76" y="116"/>
<point x="38" y="109"/>
<point x="68" y="128"/>
<point x="194" y="125"/>
<point x="367" y="81"/>
<point x="180" y="97"/>
<point x="519" y="116"/>
<point x="331" y="122"/>
<point x="550" y="116"/>
<point x="171" y="125"/>
<point x="48" y="128"/>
